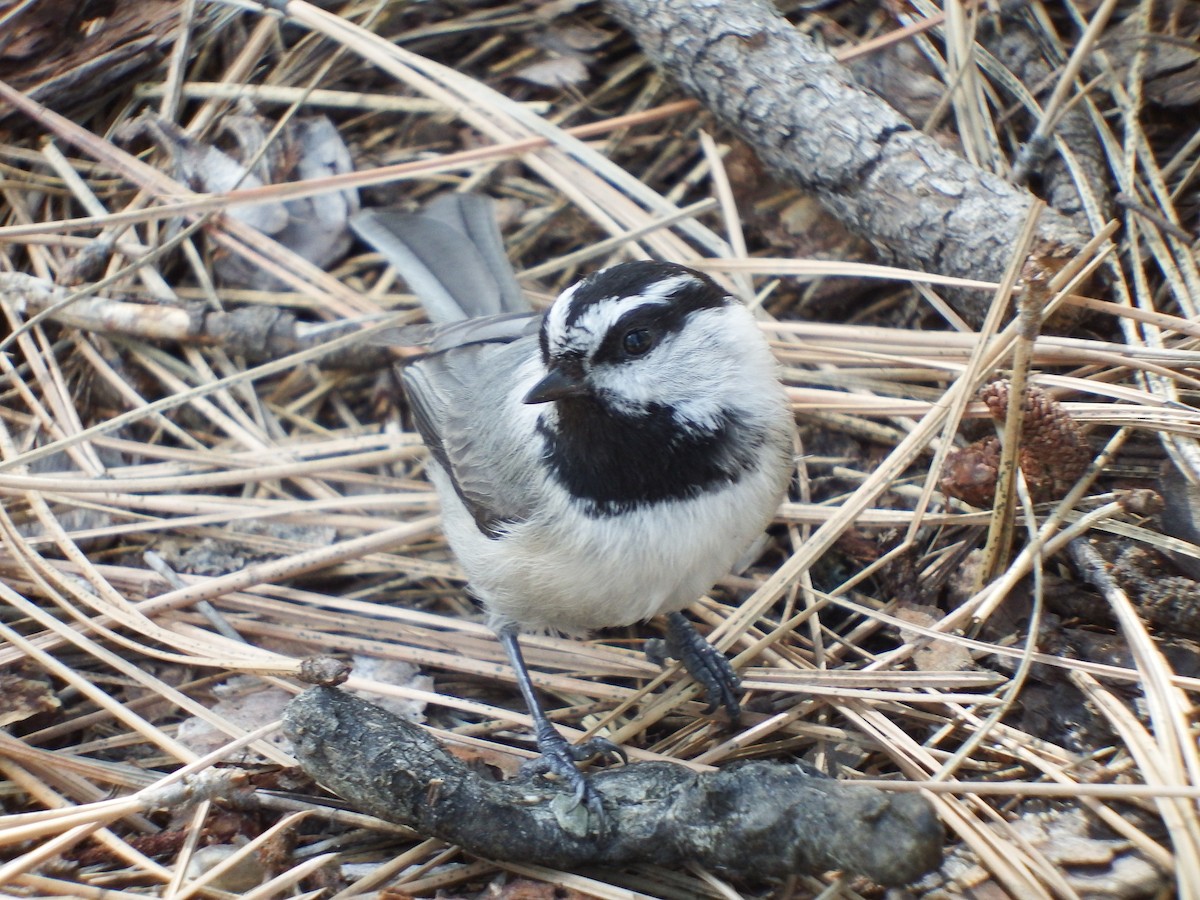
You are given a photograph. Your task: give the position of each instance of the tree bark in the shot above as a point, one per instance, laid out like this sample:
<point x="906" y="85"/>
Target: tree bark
<point x="753" y="820"/>
<point x="922" y="206"/>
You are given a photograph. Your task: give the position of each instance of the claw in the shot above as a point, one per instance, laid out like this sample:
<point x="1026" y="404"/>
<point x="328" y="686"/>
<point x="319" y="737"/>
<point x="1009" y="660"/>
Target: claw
<point x="559" y="758"/>
<point x="603" y="747"/>
<point x="704" y="662"/>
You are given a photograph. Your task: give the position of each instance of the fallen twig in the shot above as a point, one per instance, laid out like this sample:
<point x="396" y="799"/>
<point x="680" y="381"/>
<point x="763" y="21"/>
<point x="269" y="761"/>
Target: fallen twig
<point x="755" y="820"/>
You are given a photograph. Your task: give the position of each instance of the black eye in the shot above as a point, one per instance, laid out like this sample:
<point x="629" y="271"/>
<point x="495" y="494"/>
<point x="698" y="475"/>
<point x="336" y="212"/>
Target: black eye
<point x="637" y="341"/>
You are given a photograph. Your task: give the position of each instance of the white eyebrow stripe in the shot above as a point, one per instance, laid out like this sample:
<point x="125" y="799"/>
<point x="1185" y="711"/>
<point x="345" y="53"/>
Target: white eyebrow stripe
<point x="663" y="289"/>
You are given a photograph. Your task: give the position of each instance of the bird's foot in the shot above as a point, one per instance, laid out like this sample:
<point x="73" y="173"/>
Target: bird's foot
<point x="703" y="661"/>
<point x="559" y="758"/>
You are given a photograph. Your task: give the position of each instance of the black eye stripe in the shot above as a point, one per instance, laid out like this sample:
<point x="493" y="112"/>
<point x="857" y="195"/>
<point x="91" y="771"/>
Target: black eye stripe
<point x="660" y="319"/>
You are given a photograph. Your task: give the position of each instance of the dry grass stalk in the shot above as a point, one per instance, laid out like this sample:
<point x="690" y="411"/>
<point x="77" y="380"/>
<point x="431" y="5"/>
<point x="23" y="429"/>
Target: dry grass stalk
<point x="113" y="444"/>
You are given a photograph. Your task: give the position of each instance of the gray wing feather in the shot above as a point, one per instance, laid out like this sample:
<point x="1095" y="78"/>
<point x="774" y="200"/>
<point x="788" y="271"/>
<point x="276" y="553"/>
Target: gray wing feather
<point x="459" y="401"/>
<point x="474" y="215"/>
<point x="451" y="255"/>
<point x="490" y="329"/>
<point x="439" y="338"/>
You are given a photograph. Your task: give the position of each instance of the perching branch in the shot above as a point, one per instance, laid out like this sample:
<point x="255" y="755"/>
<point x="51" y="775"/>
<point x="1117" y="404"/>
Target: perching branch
<point x="754" y="820"/>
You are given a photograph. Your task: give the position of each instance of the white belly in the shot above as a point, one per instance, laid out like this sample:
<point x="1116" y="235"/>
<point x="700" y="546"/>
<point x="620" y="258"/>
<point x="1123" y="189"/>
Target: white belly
<point x="565" y="571"/>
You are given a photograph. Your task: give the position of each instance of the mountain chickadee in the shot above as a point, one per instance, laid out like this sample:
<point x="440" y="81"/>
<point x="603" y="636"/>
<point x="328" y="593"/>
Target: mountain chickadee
<point x="599" y="464"/>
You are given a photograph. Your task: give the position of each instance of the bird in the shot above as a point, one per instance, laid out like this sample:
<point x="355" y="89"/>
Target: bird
<point x="597" y="464"/>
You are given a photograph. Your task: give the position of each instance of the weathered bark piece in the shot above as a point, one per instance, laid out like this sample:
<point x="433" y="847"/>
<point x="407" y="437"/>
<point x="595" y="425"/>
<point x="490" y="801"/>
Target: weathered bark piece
<point x="259" y="333"/>
<point x="67" y="53"/>
<point x="1181" y="513"/>
<point x="921" y="205"/>
<point x="754" y="820"/>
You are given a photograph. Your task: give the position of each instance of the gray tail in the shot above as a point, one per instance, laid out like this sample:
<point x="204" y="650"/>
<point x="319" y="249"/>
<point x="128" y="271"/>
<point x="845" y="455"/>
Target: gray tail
<point x="451" y="255"/>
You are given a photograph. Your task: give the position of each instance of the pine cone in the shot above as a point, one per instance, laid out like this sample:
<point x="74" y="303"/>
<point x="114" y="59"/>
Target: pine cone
<point x="1052" y="457"/>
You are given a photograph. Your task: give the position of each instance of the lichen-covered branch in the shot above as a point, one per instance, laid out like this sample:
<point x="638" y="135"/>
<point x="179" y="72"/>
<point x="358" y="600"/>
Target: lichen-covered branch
<point x="754" y="820"/>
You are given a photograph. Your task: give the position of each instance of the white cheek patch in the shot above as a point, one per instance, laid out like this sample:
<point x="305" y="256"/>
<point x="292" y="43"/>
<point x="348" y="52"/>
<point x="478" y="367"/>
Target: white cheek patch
<point x="655" y="378"/>
<point x="718" y="360"/>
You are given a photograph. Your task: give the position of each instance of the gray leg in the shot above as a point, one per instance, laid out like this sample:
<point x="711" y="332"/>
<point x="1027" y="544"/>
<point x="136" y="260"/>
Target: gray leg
<point x="558" y="757"/>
